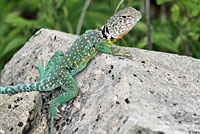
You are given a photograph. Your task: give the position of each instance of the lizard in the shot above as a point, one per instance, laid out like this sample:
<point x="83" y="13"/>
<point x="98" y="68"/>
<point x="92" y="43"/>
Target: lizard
<point x="63" y="66"/>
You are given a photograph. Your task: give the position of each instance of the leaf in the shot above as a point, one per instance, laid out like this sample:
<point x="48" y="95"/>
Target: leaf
<point x="178" y="41"/>
<point x="161" y="35"/>
<point x="13" y="44"/>
<point x="195" y="12"/>
<point x="141" y="26"/>
<point x="15" y="31"/>
<point x="195" y="50"/>
<point x="159" y="2"/>
<point x="166" y="43"/>
<point x="65" y="11"/>
<point x="175" y="12"/>
<point x="59" y="3"/>
<point x="4" y="28"/>
<point x="15" y="20"/>
<point x="142" y="43"/>
<point x="194" y="25"/>
<point x="183" y="21"/>
<point x="194" y="35"/>
<point x="69" y="27"/>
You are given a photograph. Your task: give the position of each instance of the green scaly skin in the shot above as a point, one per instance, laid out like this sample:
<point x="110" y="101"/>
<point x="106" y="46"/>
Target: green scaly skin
<point x="62" y="67"/>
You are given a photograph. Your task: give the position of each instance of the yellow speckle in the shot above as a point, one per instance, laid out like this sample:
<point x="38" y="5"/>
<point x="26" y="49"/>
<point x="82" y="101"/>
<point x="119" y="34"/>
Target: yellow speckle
<point x="76" y="64"/>
<point x="109" y="41"/>
<point x="69" y="60"/>
<point x="82" y="58"/>
<point x="93" y="49"/>
<point x="88" y="54"/>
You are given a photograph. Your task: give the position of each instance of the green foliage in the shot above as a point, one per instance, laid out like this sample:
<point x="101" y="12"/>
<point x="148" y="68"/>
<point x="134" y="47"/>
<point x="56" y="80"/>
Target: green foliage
<point x="176" y="31"/>
<point x="183" y="25"/>
<point x="174" y="23"/>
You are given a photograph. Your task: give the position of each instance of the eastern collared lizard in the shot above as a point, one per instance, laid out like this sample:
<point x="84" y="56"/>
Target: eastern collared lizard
<point x="63" y="66"/>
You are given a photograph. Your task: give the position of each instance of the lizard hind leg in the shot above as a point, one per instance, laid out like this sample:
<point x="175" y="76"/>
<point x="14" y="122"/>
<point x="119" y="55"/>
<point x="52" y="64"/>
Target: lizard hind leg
<point x="55" y="59"/>
<point x="41" y="69"/>
<point x="71" y="91"/>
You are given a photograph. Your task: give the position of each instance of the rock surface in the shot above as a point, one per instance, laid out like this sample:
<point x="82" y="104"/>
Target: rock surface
<point x="152" y="93"/>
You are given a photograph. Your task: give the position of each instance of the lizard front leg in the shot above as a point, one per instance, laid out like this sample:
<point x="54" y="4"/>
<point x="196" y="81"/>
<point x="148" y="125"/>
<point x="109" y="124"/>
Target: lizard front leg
<point x="55" y="59"/>
<point x="105" y="47"/>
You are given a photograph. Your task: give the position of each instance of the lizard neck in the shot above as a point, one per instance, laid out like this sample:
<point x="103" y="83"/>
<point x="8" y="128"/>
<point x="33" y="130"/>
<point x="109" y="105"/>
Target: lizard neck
<point x="104" y="32"/>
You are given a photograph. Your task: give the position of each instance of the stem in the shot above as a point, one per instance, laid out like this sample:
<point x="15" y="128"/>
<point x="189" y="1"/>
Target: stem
<point x="80" y="22"/>
<point x="149" y="44"/>
<point x="118" y="5"/>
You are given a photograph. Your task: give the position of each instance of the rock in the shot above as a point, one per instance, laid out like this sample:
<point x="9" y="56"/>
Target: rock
<point x="152" y="93"/>
<point x="23" y="113"/>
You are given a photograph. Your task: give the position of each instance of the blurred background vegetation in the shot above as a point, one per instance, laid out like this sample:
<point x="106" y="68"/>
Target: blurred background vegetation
<point x="175" y="24"/>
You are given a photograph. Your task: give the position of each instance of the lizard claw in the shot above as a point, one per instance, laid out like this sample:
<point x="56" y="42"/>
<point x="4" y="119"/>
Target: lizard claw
<point x="38" y="66"/>
<point x="58" y="116"/>
<point x="54" y="112"/>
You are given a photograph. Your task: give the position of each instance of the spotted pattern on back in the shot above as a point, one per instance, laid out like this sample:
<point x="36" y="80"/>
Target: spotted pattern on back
<point x="81" y="52"/>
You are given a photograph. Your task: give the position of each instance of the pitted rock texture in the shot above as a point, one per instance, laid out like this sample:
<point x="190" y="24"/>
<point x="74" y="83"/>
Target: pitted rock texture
<point x="152" y="93"/>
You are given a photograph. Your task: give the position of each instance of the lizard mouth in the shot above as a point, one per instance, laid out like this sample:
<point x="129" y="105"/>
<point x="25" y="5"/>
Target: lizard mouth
<point x="119" y="37"/>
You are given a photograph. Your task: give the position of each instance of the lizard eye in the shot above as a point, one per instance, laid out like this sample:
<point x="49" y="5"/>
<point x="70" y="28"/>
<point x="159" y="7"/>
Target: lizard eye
<point x="123" y="16"/>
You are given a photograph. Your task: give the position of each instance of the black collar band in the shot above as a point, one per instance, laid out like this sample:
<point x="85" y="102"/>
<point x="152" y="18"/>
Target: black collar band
<point x="103" y="32"/>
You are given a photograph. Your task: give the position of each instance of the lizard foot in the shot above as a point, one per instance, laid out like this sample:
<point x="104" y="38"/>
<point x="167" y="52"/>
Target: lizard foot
<point x="41" y="69"/>
<point x="125" y="53"/>
<point x="53" y="113"/>
<point x="122" y="53"/>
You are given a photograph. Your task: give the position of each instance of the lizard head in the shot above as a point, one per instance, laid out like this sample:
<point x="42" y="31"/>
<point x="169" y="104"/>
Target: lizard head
<point x="121" y="23"/>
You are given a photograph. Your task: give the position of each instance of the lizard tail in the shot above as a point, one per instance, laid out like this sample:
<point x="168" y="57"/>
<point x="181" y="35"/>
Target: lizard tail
<point x="43" y="85"/>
